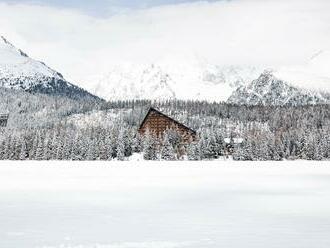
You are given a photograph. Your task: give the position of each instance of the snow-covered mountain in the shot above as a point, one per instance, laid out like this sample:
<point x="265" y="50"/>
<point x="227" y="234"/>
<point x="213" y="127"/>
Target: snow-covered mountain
<point x="190" y="77"/>
<point x="188" y="80"/>
<point x="19" y="71"/>
<point x="269" y="90"/>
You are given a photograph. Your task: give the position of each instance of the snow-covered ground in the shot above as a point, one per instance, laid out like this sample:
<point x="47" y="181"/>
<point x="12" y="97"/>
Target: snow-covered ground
<point x="173" y="205"/>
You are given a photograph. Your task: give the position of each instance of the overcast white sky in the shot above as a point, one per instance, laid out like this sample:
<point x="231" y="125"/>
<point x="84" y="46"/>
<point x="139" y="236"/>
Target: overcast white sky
<point x="80" y="39"/>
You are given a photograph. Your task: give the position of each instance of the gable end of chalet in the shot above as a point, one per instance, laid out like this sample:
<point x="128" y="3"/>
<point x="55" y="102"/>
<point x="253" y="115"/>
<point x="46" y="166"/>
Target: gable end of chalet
<point x="157" y="123"/>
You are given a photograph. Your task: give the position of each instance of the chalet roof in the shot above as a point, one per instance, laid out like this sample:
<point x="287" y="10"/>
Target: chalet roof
<point x="166" y="116"/>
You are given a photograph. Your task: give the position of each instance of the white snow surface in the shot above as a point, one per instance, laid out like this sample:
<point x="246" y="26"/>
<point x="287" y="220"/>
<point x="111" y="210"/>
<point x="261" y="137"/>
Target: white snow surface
<point x="164" y="205"/>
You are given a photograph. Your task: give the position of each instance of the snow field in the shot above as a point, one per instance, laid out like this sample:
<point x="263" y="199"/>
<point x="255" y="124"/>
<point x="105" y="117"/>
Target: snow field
<point x="164" y="205"/>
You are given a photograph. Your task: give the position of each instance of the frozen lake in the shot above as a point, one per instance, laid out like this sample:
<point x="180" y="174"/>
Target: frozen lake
<point x="172" y="205"/>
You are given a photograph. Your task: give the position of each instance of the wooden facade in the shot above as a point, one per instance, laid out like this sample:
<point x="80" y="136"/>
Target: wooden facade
<point x="157" y="123"/>
<point x="3" y="120"/>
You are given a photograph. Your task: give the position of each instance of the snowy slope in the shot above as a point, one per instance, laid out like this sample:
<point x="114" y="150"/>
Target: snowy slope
<point x="270" y="90"/>
<point x="19" y="71"/>
<point x="192" y="79"/>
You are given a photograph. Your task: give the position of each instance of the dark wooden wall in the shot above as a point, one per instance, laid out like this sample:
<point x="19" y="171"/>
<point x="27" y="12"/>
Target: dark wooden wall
<point x="157" y="124"/>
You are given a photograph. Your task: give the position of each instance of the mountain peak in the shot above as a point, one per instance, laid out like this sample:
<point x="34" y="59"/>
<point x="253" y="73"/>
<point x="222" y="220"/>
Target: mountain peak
<point x="269" y="90"/>
<point x="19" y="71"/>
<point x="266" y="77"/>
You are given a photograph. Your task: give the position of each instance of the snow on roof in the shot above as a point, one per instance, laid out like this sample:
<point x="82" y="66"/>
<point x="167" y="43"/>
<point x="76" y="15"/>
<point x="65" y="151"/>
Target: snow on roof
<point x="235" y="140"/>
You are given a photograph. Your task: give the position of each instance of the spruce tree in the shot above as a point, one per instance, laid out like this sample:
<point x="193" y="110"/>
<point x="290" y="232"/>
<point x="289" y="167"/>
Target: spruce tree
<point x="90" y="156"/>
<point x="192" y="152"/>
<point x="108" y="148"/>
<point x="34" y="147"/>
<point x="167" y="150"/>
<point x="136" y="144"/>
<point x="23" y="153"/>
<point x="121" y="145"/>
<point x="39" y="155"/>
<point x="149" y="147"/>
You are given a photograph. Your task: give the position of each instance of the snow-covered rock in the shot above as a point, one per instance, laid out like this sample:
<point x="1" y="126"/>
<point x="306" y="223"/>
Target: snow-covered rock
<point x="269" y="90"/>
<point x="19" y="71"/>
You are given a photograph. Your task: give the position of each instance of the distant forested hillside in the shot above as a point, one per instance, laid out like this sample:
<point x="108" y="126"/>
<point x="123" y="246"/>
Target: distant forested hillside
<point x="28" y="110"/>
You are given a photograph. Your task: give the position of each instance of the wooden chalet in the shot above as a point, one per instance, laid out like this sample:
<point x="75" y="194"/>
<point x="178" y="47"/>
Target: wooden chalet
<point x="3" y="120"/>
<point x="157" y="123"/>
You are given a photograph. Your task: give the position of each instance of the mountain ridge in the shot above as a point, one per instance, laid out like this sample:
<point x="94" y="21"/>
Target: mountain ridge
<point x="160" y="81"/>
<point x="270" y="90"/>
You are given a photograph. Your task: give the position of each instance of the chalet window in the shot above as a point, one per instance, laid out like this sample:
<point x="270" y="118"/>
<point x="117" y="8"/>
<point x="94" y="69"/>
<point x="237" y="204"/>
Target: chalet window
<point x="3" y="120"/>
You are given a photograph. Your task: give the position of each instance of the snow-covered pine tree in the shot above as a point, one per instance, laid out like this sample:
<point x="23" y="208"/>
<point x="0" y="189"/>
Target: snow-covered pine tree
<point x="247" y="149"/>
<point x="109" y="149"/>
<point x="32" y="153"/>
<point x="136" y="143"/>
<point x="2" y="149"/>
<point x="121" y="145"/>
<point x="39" y="155"/>
<point x="14" y="149"/>
<point x="103" y="154"/>
<point x="219" y="142"/>
<point x="90" y="156"/>
<point x="192" y="152"/>
<point x="149" y="147"/>
<point x="320" y="146"/>
<point x="239" y="152"/>
<point x="53" y="145"/>
<point x="207" y="145"/>
<point x="273" y="149"/>
<point x="76" y="149"/>
<point x="24" y="152"/>
<point x="201" y="145"/>
<point x="167" y="150"/>
<point x="174" y="137"/>
<point x="47" y="148"/>
<point x="67" y="147"/>
<point x="127" y="141"/>
<point x="261" y="141"/>
<point x="212" y="150"/>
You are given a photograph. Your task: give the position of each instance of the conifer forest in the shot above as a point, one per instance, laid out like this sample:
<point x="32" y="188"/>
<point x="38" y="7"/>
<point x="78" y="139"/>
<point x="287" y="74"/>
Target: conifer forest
<point x="42" y="127"/>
